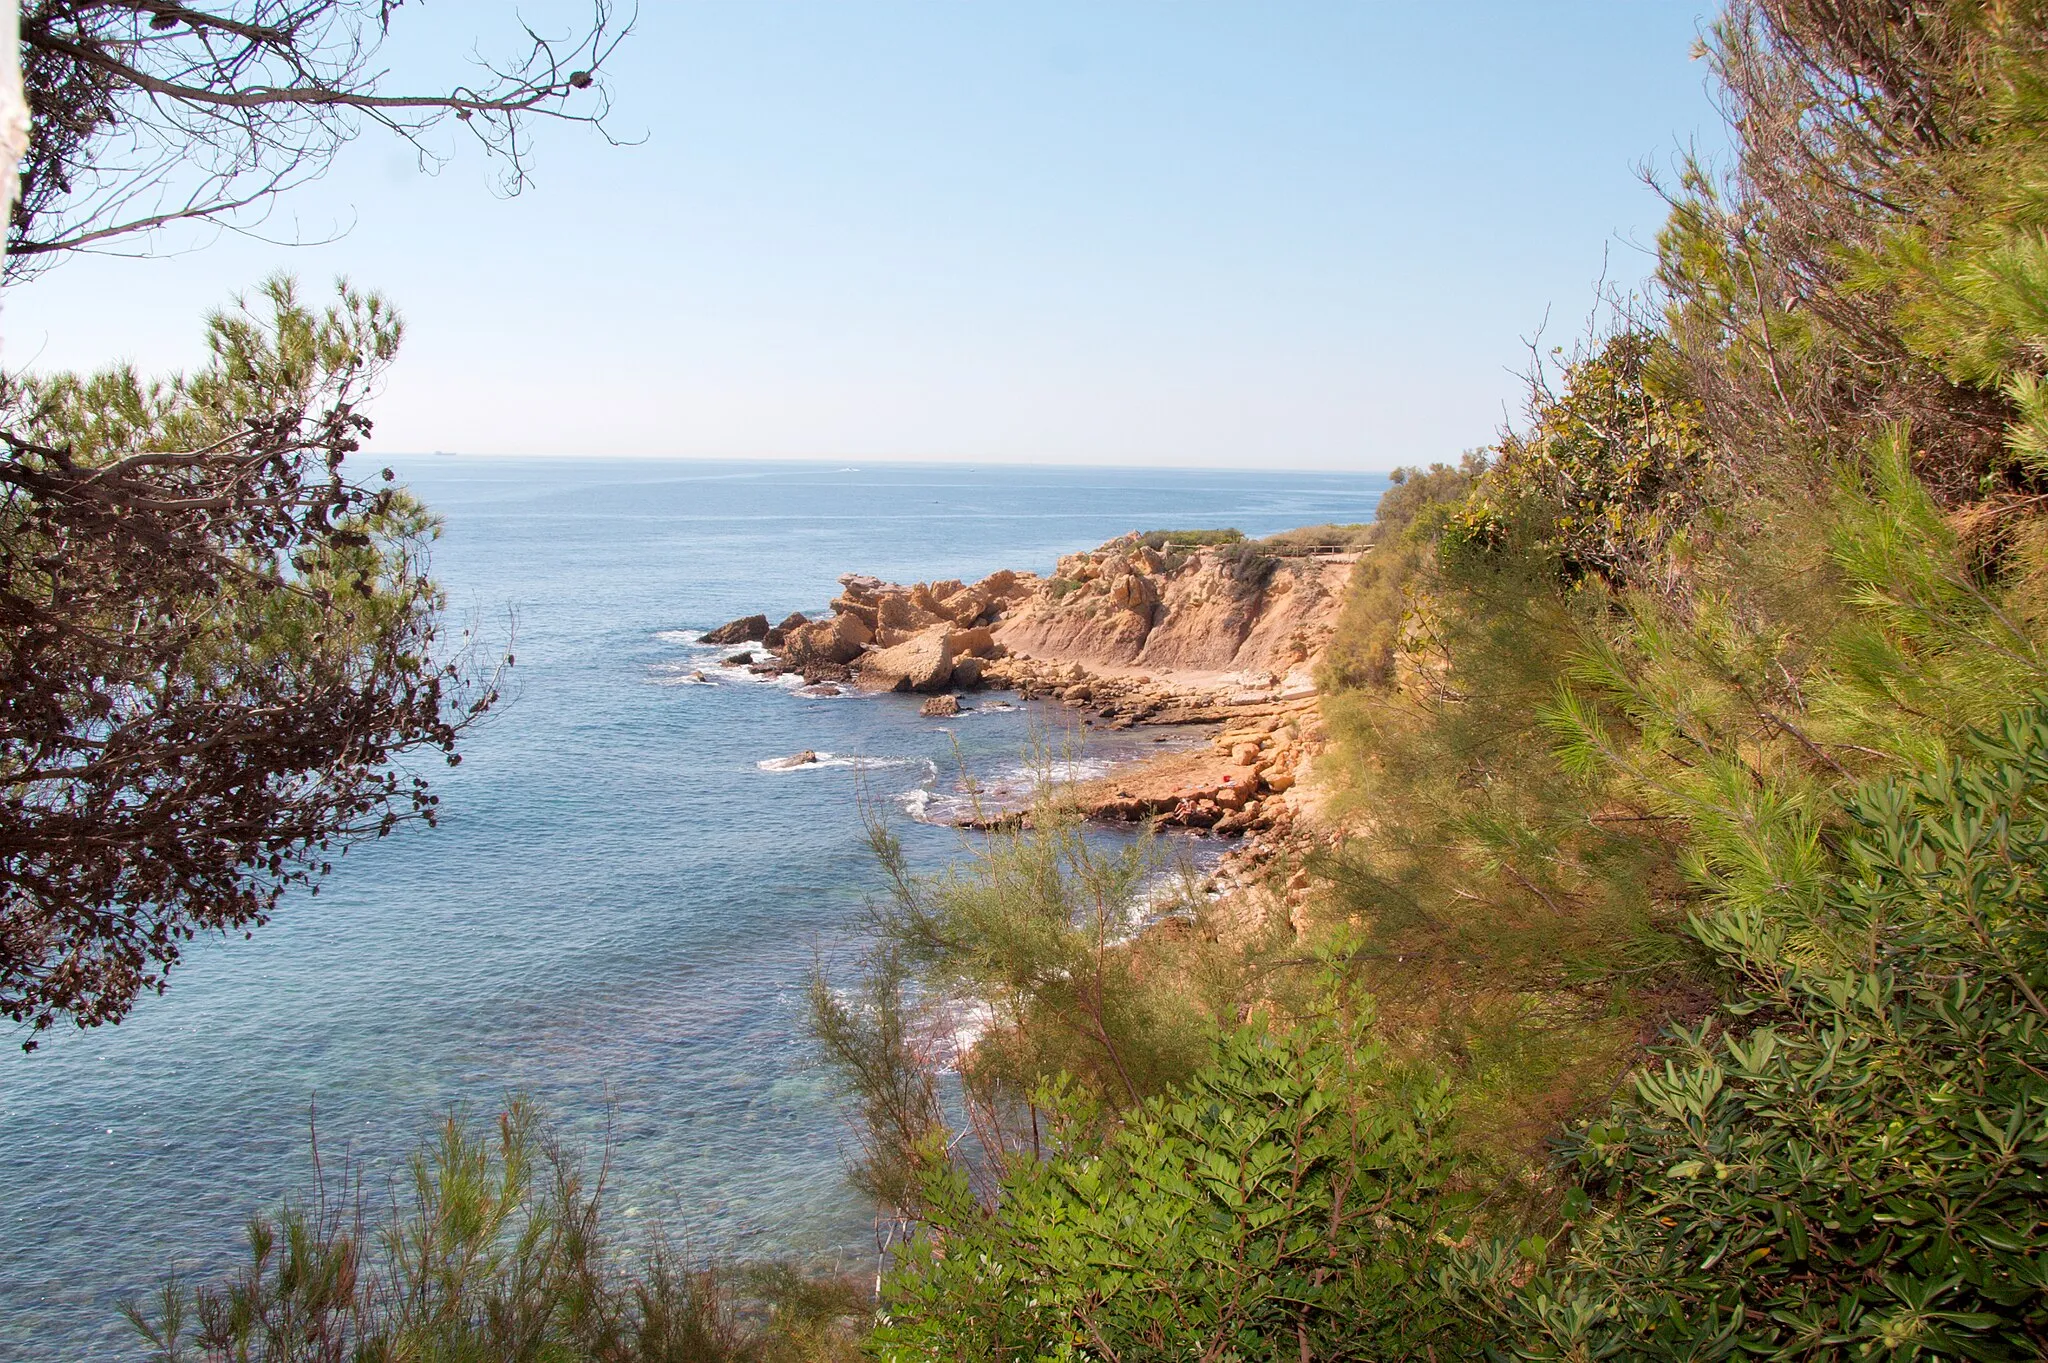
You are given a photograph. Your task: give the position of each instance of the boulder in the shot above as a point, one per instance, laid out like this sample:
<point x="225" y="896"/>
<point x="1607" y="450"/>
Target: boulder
<point x="979" y="642"/>
<point x="940" y="707"/>
<point x="838" y="640"/>
<point x="864" y="611"/>
<point x="966" y="606"/>
<point x="966" y="672"/>
<point x="795" y="621"/>
<point x="900" y="611"/>
<point x="923" y="663"/>
<point x="748" y="629"/>
<point x="739" y="660"/>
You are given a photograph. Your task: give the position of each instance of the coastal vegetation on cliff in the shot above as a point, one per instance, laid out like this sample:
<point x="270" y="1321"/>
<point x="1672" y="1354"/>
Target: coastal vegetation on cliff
<point x="1669" y="977"/>
<point x="1687" y="841"/>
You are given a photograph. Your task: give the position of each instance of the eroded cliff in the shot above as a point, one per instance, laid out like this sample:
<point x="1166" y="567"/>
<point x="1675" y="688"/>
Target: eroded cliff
<point x="1213" y="618"/>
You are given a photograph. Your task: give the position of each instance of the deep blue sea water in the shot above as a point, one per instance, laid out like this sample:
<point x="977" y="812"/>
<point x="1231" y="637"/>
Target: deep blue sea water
<point x="618" y="910"/>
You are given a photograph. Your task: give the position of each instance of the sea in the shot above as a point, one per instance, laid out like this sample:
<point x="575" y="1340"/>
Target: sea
<point x="629" y="885"/>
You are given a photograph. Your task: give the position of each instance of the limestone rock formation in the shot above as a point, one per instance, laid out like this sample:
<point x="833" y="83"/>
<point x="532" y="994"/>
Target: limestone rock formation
<point x="795" y="621"/>
<point x="1220" y="609"/>
<point x="748" y="629"/>
<point x="833" y="642"/>
<point x="1205" y="626"/>
<point x="923" y="662"/>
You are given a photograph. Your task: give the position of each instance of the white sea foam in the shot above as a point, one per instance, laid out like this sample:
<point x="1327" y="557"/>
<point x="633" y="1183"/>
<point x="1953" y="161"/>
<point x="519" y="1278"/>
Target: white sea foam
<point x="949" y="1029"/>
<point x="1028" y="775"/>
<point x="825" y="761"/>
<point x="679" y="674"/>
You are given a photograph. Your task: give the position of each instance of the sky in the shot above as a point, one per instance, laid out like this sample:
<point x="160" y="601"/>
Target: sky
<point x="1305" y="235"/>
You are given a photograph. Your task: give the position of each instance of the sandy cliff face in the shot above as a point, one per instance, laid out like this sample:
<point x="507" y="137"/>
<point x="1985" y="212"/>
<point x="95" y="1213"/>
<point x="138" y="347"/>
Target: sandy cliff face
<point x="1127" y="607"/>
<point x="1125" y="635"/>
<point x="1215" y="619"/>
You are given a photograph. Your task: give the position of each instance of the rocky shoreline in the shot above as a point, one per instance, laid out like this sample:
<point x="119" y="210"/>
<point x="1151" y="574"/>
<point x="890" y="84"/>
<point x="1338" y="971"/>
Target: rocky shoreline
<point x="1133" y="633"/>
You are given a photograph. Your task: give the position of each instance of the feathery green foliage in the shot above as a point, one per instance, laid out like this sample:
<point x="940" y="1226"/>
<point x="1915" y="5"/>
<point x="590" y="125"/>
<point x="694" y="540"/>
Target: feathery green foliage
<point x="1291" y="1197"/>
<point x="1027" y="942"/>
<point x="498" y="1253"/>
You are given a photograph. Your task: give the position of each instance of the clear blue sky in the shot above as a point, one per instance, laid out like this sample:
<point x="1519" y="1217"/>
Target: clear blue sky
<point x="1308" y="235"/>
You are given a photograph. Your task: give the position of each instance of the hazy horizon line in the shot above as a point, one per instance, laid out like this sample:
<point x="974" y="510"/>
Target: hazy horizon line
<point x="890" y="460"/>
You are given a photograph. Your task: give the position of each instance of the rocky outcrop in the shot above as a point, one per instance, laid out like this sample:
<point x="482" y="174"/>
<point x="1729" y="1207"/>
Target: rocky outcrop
<point x="1234" y="785"/>
<point x="922" y="662"/>
<point x="774" y="638"/>
<point x="1126" y="635"/>
<point x="822" y="644"/>
<point x="1145" y="633"/>
<point x="1213" y="610"/>
<point x="748" y="629"/>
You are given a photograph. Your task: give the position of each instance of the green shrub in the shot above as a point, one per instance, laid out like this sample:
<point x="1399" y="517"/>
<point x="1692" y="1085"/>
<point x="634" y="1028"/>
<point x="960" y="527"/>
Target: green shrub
<point x="1287" y="1201"/>
<point x="1188" y="539"/>
<point x="498" y="1255"/>
<point x="1861" y="1171"/>
<point x="1610" y="468"/>
<point x="1310" y="537"/>
<point x="1248" y="568"/>
<point x="1403" y="532"/>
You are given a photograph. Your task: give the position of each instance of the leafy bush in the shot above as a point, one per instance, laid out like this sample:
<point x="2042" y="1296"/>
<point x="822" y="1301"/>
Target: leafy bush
<point x="1609" y="469"/>
<point x="1248" y="567"/>
<point x="1289" y="1200"/>
<point x="1863" y="1171"/>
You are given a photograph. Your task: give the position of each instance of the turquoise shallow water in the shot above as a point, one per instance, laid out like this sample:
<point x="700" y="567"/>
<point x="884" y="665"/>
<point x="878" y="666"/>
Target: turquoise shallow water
<point x="618" y="910"/>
